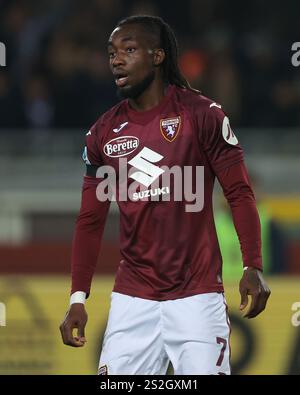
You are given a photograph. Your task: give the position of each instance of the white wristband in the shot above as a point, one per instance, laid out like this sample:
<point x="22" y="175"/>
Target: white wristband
<point x="78" y="297"/>
<point x="245" y="268"/>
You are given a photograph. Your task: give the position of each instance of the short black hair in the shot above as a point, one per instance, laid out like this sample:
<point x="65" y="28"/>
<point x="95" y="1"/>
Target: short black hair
<point x="165" y="38"/>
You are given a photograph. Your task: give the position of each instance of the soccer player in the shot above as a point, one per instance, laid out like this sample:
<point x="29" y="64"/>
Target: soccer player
<point x="168" y="301"/>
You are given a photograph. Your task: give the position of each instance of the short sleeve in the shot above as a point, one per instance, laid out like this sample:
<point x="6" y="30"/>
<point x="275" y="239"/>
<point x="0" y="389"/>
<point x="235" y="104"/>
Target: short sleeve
<point x="219" y="142"/>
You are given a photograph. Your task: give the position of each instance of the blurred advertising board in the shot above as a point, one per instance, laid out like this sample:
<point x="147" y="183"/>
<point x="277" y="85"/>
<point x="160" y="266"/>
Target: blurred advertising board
<point x="30" y="342"/>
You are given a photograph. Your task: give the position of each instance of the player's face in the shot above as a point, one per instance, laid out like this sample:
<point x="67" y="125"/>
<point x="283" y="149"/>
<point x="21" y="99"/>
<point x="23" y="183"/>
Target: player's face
<point x="131" y="60"/>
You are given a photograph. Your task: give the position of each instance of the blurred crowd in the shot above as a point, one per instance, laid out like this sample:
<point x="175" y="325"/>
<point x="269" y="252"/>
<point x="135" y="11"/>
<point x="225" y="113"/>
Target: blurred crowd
<point x="57" y="75"/>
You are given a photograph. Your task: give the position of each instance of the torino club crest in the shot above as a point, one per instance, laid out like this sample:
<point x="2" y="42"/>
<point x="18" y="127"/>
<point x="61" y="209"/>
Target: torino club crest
<point x="170" y="128"/>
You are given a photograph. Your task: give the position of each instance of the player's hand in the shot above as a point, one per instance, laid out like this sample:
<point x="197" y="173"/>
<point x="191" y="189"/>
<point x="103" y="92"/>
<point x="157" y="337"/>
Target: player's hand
<point x="252" y="283"/>
<point x="76" y="317"/>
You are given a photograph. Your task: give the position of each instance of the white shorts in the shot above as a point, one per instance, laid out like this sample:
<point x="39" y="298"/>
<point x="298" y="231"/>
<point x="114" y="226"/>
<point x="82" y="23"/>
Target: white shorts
<point x="142" y="336"/>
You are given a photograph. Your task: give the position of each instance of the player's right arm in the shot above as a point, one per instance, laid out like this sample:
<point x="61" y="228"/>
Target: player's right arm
<point x="86" y="244"/>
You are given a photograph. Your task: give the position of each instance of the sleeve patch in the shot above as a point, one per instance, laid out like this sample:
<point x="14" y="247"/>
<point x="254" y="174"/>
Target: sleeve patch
<point x="85" y="156"/>
<point x="227" y="132"/>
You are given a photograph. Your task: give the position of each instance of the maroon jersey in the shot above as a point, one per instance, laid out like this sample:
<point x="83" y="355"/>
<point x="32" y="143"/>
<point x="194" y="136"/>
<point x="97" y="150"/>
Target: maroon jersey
<point x="167" y="251"/>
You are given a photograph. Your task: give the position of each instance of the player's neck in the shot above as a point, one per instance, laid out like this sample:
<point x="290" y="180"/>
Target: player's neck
<point x="150" y="98"/>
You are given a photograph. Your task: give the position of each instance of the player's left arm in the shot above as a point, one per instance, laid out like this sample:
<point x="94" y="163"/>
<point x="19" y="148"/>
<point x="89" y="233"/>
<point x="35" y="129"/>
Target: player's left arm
<point x="226" y="159"/>
<point x="239" y="194"/>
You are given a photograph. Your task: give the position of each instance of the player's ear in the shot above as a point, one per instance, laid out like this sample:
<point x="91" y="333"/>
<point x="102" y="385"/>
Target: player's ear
<point x="158" y="56"/>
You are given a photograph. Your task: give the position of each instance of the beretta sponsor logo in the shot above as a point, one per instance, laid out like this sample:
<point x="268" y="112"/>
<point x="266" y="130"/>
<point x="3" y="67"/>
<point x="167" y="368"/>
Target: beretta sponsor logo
<point x="121" y="146"/>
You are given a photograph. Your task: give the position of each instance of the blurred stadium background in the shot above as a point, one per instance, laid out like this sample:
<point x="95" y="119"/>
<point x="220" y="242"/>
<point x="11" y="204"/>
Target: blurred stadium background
<point x="56" y="83"/>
